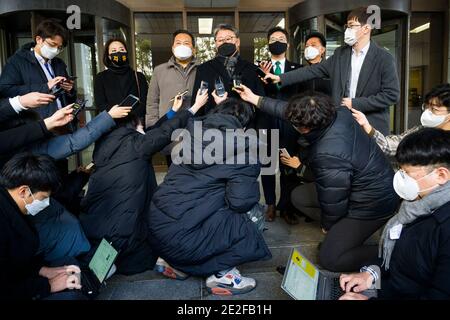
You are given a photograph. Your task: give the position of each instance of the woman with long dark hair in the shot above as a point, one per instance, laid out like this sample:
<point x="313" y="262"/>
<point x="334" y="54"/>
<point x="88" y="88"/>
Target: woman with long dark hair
<point x="114" y="84"/>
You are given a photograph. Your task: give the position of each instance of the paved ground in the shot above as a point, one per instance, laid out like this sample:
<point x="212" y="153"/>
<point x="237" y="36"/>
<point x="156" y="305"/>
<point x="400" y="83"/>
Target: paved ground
<point x="280" y="237"/>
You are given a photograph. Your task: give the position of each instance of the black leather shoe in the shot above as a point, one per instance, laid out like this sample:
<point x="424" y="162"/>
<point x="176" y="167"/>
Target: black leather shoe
<point x="289" y="218"/>
<point x="271" y="213"/>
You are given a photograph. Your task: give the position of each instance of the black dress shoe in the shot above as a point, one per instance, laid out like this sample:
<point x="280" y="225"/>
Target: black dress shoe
<point x="271" y="213"/>
<point x="289" y="218"/>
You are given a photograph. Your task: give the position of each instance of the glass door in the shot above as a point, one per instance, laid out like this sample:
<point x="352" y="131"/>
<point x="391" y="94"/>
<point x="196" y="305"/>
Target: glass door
<point x="84" y="66"/>
<point x="389" y="38"/>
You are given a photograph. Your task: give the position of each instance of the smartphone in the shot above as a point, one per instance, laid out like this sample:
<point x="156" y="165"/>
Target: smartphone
<point x="260" y="72"/>
<point x="57" y="91"/>
<point x="284" y="152"/>
<point x="182" y="94"/>
<point x="220" y="87"/>
<point x="204" y="86"/>
<point x="129" y="101"/>
<point x="71" y="78"/>
<point x="89" y="166"/>
<point x="237" y="82"/>
<point x="78" y="106"/>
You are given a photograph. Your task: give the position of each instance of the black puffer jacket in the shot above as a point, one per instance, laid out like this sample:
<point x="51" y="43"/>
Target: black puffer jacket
<point x="116" y="204"/>
<point x="198" y="220"/>
<point x="420" y="262"/>
<point x="352" y="175"/>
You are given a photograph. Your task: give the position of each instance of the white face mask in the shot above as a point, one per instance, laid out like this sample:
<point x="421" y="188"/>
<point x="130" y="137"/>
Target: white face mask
<point x="407" y="187"/>
<point x="311" y="53"/>
<point x="49" y="52"/>
<point x="37" y="205"/>
<point x="182" y="52"/>
<point x="350" y="36"/>
<point x="430" y="120"/>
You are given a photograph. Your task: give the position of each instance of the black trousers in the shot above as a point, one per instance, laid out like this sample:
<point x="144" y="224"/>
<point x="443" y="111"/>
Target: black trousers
<point x="288" y="139"/>
<point x="344" y="248"/>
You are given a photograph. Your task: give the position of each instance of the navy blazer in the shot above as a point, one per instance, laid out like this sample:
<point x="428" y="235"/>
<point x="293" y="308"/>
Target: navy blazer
<point x="23" y="74"/>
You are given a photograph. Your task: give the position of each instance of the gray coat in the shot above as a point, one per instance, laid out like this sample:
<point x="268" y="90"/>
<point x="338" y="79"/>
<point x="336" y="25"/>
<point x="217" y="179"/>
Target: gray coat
<point x="378" y="84"/>
<point x="168" y="79"/>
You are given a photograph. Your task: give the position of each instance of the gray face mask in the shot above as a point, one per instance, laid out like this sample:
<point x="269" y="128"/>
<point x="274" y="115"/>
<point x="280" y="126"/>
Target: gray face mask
<point x="37" y="205"/>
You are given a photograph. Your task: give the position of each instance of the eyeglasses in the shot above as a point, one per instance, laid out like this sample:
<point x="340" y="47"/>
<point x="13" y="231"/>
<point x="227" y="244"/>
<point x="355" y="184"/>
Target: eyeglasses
<point x="351" y="26"/>
<point x="436" y="109"/>
<point x="227" y="39"/>
<point x="60" y="48"/>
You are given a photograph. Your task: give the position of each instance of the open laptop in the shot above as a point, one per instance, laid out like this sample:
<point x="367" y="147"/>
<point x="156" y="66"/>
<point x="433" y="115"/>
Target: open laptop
<point x="100" y="265"/>
<point x="304" y="281"/>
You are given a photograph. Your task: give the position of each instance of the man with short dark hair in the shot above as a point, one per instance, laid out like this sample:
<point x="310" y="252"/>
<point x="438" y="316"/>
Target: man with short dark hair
<point x="352" y="193"/>
<point x="172" y="77"/>
<point x="278" y="40"/>
<point x="414" y="256"/>
<point x="363" y="75"/>
<point x="36" y="68"/>
<point x="227" y="66"/>
<point x="27" y="182"/>
<point x="315" y="52"/>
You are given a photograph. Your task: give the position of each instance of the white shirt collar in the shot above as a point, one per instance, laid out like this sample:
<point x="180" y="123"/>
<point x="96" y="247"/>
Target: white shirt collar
<point x="282" y="64"/>
<point x="282" y="61"/>
<point x="41" y="59"/>
<point x="364" y="50"/>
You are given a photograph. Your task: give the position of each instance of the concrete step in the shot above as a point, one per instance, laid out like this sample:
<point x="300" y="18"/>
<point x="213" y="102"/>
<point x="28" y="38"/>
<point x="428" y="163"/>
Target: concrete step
<point x="280" y="238"/>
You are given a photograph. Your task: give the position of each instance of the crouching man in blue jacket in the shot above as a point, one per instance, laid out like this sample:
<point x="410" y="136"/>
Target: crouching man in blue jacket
<point x="60" y="232"/>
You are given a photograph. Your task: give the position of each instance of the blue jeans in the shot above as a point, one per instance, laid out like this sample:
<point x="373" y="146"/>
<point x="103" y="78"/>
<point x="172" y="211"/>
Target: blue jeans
<point x="60" y="233"/>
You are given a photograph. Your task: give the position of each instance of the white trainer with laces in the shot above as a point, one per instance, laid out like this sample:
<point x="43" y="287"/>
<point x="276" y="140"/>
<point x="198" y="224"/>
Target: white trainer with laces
<point x="232" y="283"/>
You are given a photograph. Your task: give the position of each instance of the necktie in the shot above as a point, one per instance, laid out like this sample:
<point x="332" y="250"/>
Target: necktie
<point x="278" y="71"/>
<point x="47" y="66"/>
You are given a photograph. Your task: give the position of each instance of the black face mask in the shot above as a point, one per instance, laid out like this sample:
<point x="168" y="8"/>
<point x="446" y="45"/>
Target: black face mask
<point x="119" y="59"/>
<point x="277" y="48"/>
<point x="227" y="49"/>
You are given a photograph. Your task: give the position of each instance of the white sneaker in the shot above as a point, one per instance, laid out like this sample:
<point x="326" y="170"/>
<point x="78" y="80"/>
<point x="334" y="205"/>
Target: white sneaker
<point x="232" y="283"/>
<point x="163" y="267"/>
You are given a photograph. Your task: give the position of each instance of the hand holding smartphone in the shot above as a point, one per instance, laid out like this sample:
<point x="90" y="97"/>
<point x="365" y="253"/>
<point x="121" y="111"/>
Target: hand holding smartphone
<point x="129" y="101"/>
<point x="78" y="106"/>
<point x="180" y="95"/>
<point x="284" y="153"/>
<point x="262" y="74"/>
<point x="90" y="166"/>
<point x="57" y="91"/>
<point x="70" y="78"/>
<point x="204" y="87"/>
<point x="220" y="87"/>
